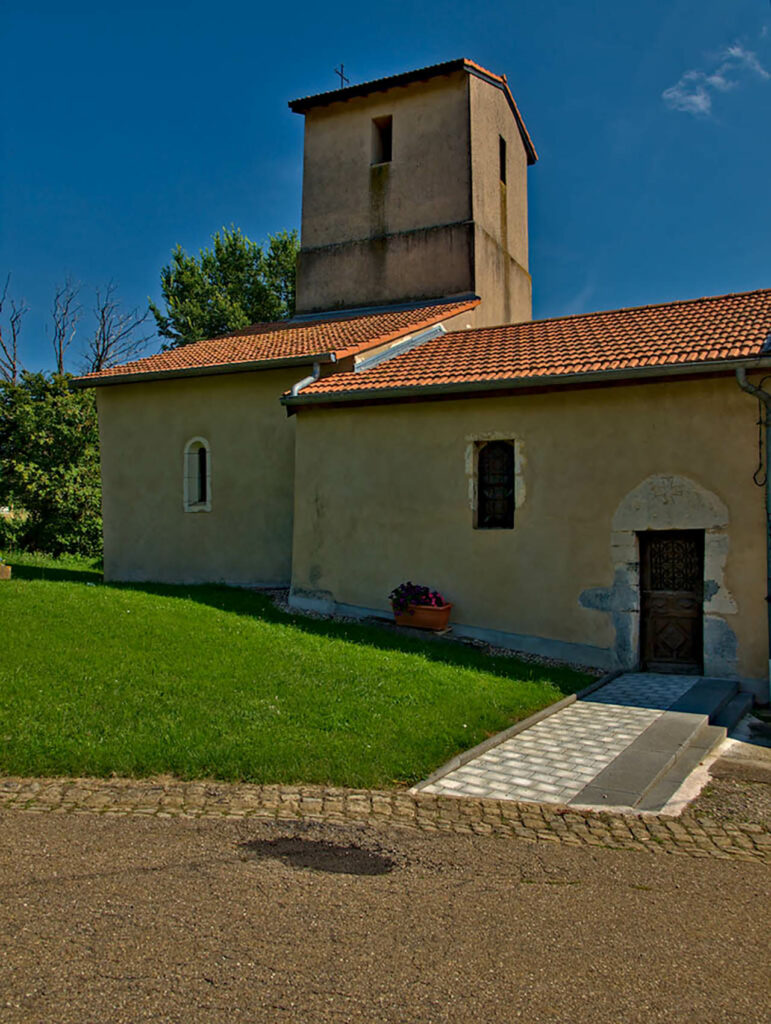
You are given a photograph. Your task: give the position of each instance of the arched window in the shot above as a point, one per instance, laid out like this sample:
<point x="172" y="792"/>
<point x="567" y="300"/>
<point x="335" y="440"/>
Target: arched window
<point x="495" y="486"/>
<point x="197" y="476"/>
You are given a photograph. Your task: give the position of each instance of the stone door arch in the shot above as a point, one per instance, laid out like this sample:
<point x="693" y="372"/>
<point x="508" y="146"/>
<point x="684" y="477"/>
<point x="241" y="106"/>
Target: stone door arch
<point x="668" y="502"/>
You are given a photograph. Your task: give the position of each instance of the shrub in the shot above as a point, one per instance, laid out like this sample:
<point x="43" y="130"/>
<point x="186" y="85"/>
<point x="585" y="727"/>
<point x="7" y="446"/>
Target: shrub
<point x="11" y="531"/>
<point x="49" y="466"/>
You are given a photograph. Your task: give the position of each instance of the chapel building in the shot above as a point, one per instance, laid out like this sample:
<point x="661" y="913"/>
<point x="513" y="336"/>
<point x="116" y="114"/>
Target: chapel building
<point x="582" y="488"/>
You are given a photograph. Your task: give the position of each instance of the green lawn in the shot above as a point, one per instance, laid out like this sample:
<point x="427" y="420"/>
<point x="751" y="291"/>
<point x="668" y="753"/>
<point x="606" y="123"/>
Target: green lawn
<point x="215" y="682"/>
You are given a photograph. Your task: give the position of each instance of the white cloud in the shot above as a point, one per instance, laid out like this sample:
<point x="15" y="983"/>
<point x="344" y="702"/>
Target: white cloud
<point x="746" y="58"/>
<point x="692" y="94"/>
<point x="717" y="80"/>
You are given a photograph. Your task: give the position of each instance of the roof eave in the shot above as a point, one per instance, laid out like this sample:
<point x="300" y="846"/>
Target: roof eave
<point x="531" y="383"/>
<point x="204" y="371"/>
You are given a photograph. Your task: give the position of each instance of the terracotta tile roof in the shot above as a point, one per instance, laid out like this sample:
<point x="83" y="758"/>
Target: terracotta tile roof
<point x="696" y="331"/>
<point x="301" y="339"/>
<point x="323" y="99"/>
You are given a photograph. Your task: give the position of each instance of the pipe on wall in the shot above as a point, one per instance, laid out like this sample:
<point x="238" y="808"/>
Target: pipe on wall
<point x="311" y="379"/>
<point x="765" y="399"/>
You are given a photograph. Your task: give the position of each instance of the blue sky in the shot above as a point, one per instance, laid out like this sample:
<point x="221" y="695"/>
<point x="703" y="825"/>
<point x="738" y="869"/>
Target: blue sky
<point x="130" y="127"/>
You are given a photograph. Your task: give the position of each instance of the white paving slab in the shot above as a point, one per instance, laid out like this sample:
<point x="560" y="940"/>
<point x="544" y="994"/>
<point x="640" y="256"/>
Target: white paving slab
<point x="554" y="759"/>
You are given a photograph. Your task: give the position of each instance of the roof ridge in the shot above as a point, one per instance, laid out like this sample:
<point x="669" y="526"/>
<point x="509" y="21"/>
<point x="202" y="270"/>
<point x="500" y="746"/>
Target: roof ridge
<point x="480" y="67"/>
<point x="453" y="61"/>
<point x="620" y="309"/>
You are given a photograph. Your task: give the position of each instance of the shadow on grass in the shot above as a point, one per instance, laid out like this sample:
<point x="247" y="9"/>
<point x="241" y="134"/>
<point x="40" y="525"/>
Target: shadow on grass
<point x="255" y="605"/>
<point x="42" y="572"/>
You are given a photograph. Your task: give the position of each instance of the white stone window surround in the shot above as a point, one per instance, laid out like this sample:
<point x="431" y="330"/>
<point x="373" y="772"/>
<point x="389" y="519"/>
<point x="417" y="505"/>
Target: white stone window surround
<point x="191" y="478"/>
<point x="473" y="443"/>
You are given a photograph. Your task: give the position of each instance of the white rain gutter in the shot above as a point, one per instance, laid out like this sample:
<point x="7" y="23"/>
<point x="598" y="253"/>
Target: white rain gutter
<point x="468" y="388"/>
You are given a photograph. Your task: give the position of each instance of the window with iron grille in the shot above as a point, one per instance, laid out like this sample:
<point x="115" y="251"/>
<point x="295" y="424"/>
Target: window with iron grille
<point x="495" y="485"/>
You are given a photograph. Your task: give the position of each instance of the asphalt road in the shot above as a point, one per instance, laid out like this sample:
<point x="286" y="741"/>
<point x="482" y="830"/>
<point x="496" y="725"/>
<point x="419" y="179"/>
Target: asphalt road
<point x="114" y="920"/>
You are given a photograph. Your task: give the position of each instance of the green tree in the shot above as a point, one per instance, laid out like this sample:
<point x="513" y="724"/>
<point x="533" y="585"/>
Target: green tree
<point x="229" y="286"/>
<point x="49" y="465"/>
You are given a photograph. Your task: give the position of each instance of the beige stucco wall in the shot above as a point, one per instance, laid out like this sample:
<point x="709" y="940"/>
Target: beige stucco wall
<point x="428" y="179"/>
<point x="385" y="493"/>
<point x="505" y="288"/>
<point x="247" y="535"/>
<point x="434" y="221"/>
<point x="421" y="264"/>
<point x="499" y="210"/>
<point x="393" y="231"/>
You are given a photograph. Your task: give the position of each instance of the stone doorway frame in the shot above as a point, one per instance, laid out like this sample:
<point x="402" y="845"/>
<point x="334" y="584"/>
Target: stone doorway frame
<point x="668" y="502"/>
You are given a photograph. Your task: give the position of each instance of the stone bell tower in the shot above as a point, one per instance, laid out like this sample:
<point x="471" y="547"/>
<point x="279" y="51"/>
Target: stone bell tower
<point x="415" y="187"/>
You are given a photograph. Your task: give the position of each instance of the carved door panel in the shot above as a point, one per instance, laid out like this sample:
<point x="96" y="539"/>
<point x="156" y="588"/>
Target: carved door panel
<point x="672" y="600"/>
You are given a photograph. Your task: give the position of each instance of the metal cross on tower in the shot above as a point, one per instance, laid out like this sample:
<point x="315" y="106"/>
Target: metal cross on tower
<point x="341" y="72"/>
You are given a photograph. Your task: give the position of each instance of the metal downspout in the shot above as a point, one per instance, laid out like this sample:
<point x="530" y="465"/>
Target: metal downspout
<point x="297" y="388"/>
<point x="765" y="398"/>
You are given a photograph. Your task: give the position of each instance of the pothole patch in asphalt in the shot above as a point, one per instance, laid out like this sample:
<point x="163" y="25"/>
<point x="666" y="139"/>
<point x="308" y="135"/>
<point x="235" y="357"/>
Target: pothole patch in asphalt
<point x="320" y="855"/>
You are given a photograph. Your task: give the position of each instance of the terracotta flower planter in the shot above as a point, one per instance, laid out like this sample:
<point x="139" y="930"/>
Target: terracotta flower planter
<point x="5" y="571"/>
<point x="425" y="616"/>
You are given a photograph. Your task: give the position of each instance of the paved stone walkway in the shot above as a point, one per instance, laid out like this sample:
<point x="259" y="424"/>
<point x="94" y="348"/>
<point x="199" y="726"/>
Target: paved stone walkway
<point x="556" y="758"/>
<point x="689" y="835"/>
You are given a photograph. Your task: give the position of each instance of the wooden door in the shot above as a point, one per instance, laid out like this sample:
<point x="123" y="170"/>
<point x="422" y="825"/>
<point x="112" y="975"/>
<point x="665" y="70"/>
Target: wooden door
<point x="672" y="600"/>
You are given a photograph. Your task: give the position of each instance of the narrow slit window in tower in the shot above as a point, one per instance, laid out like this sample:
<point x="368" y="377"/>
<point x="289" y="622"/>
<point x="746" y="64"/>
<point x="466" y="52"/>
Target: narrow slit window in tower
<point x="382" y="138"/>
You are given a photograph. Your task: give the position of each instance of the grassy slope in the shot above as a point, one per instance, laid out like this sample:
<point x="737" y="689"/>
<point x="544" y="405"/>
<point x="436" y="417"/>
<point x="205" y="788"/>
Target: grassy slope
<point x="215" y="682"/>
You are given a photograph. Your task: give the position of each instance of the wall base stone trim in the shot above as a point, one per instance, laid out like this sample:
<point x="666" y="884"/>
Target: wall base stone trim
<point x="323" y="603"/>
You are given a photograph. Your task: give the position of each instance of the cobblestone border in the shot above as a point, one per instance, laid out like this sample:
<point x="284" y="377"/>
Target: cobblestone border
<point x="690" y="835"/>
